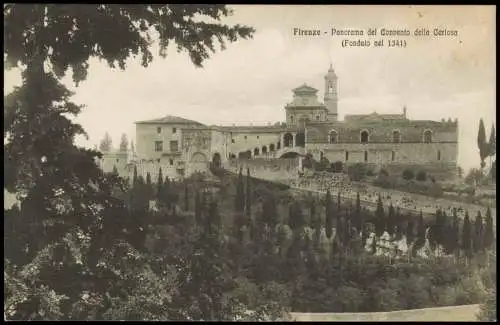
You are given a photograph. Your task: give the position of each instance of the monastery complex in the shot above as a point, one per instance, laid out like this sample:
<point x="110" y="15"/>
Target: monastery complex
<point x="182" y="147"/>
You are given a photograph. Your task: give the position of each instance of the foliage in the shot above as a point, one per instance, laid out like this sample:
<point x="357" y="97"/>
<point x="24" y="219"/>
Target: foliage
<point x="357" y="171"/>
<point x="421" y="176"/>
<point x="408" y="174"/>
<point x="124" y="143"/>
<point x="82" y="254"/>
<point x="106" y="144"/>
<point x="481" y="143"/>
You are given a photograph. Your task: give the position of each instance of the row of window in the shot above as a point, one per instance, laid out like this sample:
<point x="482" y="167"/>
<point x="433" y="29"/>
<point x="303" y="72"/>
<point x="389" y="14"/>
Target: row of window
<point x="306" y="119"/>
<point x="159" y="129"/>
<point x="174" y="146"/>
<point x="364" y="136"/>
<point x="393" y="155"/>
<point x="244" y="137"/>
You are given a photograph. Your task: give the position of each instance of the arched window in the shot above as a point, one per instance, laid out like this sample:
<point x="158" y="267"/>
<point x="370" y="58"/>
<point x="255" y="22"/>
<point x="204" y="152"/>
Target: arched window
<point x="291" y="119"/>
<point x="366" y="155"/>
<point x="278" y="145"/>
<point x="393" y="156"/>
<point x="264" y="149"/>
<point x="396" y="136"/>
<point x="288" y="140"/>
<point x="346" y="155"/>
<point x="271" y="147"/>
<point x="333" y="136"/>
<point x="439" y="154"/>
<point x="364" y="136"/>
<point x="256" y="152"/>
<point x="427" y="136"/>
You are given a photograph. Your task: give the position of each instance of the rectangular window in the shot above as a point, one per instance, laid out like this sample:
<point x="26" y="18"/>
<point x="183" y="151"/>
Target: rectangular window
<point x="174" y="130"/>
<point x="174" y="146"/>
<point x="232" y="140"/>
<point x="393" y="156"/>
<point x="158" y="146"/>
<point x="171" y="162"/>
<point x="158" y="129"/>
<point x="346" y="155"/>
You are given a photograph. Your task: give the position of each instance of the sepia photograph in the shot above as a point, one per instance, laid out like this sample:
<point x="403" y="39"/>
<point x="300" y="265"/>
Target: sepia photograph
<point x="178" y="162"/>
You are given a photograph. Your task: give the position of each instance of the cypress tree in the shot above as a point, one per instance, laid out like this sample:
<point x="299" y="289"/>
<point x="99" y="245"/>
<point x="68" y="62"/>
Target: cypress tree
<point x="159" y="185"/>
<point x="390" y="220"/>
<point x="312" y="212"/>
<point x="420" y="230"/>
<point x="478" y="233"/>
<point x="488" y="231"/>
<point x="328" y="214"/>
<point x="358" y="223"/>
<point x="165" y="195"/>
<point x="134" y="179"/>
<point x="410" y="231"/>
<point x="380" y="221"/>
<point x="239" y="200"/>
<point x="455" y="233"/>
<point x="481" y="143"/>
<point x="186" y="197"/>
<point x="466" y="235"/>
<point x="338" y="203"/>
<point x="148" y="179"/>
<point x="248" y="203"/>
<point x="115" y="170"/>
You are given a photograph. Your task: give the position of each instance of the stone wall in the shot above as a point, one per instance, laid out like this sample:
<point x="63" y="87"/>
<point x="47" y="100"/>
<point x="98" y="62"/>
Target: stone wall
<point x="275" y="169"/>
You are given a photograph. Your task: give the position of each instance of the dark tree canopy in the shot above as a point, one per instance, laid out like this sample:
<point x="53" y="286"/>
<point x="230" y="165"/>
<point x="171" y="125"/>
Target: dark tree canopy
<point x="68" y="35"/>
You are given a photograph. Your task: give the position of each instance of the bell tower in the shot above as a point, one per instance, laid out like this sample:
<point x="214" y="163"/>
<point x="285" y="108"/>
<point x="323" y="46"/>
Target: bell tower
<point x="331" y="95"/>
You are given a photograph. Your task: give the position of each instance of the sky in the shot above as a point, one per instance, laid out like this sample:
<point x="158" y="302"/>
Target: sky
<point x="251" y="81"/>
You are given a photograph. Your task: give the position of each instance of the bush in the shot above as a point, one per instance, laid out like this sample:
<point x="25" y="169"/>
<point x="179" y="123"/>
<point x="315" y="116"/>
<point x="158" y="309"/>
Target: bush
<point x="356" y="172"/>
<point x="383" y="172"/>
<point x="421" y="176"/>
<point x="337" y="167"/>
<point x="408" y="174"/>
<point x="370" y="173"/>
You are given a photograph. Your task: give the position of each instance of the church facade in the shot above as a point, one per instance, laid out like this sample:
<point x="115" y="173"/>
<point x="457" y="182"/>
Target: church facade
<point x="311" y="126"/>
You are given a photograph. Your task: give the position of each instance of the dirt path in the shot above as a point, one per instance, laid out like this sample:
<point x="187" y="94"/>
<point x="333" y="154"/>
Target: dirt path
<point x="450" y="314"/>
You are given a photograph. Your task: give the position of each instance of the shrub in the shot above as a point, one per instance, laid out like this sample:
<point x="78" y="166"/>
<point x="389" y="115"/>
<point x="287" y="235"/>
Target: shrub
<point x="356" y="172"/>
<point x="337" y="167"/>
<point x="408" y="174"/>
<point x="383" y="172"/>
<point x="370" y="173"/>
<point x="421" y="176"/>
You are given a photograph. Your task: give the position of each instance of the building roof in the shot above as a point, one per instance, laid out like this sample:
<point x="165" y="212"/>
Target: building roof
<point x="169" y="119"/>
<point x="305" y="89"/>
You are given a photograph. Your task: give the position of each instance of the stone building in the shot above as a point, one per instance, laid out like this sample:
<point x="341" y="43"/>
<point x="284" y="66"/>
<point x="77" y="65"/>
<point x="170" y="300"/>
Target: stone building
<point x="183" y="146"/>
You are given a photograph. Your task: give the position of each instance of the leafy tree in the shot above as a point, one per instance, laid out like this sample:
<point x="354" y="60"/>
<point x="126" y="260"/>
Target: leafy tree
<point x="124" y="143"/>
<point x="488" y="231"/>
<point x="421" y="176"/>
<point x="408" y="174"/>
<point x="481" y="142"/>
<point x="45" y="162"/>
<point x="106" y="144"/>
<point x="329" y="214"/>
<point x="467" y="235"/>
